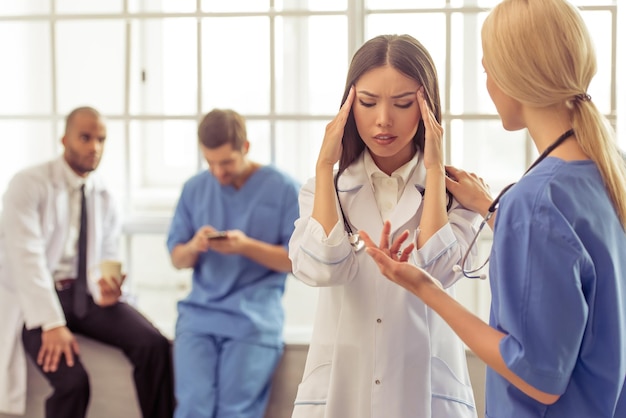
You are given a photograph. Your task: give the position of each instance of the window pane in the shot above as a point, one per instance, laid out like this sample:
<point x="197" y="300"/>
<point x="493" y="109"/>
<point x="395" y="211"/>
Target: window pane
<point x="235" y="6"/>
<point x="156" y="284"/>
<point x="91" y="65"/>
<point x="403" y="4"/>
<point x="313" y="5"/>
<point x="163" y="155"/>
<point x="91" y="6"/>
<point x="112" y="167"/>
<point x="473" y="3"/>
<point x="25" y="74"/>
<point x="467" y="84"/>
<point x="427" y="28"/>
<point x="311" y="64"/>
<point x="24" y="143"/>
<point x="164" y="65"/>
<point x="24" y="7"/>
<point x="600" y="28"/>
<point x="166" y="6"/>
<point x="297" y="147"/>
<point x="235" y="64"/>
<point x="259" y="136"/>
<point x="485" y="148"/>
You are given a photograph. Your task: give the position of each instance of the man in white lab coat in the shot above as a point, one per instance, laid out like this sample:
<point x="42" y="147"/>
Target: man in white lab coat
<point x="41" y="228"/>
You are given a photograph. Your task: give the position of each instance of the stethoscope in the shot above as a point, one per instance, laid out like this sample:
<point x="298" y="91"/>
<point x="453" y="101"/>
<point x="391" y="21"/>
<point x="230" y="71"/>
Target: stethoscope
<point x="470" y="274"/>
<point x="354" y="238"/>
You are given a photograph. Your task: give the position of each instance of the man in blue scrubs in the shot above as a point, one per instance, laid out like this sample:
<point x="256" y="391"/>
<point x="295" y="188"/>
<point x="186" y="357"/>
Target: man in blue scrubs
<point x="232" y="225"/>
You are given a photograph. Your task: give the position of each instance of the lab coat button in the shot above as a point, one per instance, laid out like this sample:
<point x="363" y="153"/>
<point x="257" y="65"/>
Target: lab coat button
<point x="377" y="382"/>
<point x="379" y="320"/>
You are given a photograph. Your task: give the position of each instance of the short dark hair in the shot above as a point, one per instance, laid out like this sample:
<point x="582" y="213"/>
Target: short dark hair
<point x="407" y="55"/>
<point x="222" y="126"/>
<point x="83" y="109"/>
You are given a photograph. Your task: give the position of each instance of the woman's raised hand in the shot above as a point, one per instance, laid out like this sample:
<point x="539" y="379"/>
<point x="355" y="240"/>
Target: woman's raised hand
<point x="331" y="146"/>
<point x="433" y="143"/>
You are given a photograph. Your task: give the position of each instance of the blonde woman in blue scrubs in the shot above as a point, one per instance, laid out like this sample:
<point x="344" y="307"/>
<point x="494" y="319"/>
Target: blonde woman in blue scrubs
<point x="556" y="342"/>
<point x="377" y="351"/>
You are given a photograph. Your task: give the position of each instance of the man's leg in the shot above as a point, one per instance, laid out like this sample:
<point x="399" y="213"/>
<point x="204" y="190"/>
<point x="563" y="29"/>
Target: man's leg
<point x="147" y="349"/>
<point x="70" y="385"/>
<point x="195" y="365"/>
<point x="245" y="377"/>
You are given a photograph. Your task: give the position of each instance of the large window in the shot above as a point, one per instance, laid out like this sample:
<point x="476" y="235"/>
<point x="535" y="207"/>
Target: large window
<point x="155" y="67"/>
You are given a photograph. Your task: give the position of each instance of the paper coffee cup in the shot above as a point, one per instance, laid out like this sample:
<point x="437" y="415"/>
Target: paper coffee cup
<point x="111" y="270"/>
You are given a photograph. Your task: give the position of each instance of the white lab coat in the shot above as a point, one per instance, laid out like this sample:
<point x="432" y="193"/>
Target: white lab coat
<point x="376" y="350"/>
<point x="33" y="230"/>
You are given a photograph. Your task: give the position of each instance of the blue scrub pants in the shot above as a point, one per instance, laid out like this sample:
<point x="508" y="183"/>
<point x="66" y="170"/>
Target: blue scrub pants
<point x="218" y="377"/>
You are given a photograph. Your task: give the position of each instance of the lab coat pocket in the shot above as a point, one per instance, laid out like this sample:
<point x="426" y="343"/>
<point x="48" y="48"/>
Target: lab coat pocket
<point x="451" y="397"/>
<point x="313" y="391"/>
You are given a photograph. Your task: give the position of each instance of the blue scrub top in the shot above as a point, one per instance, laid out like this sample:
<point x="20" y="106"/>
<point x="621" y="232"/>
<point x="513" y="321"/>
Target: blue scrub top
<point x="233" y="296"/>
<point x="558" y="282"/>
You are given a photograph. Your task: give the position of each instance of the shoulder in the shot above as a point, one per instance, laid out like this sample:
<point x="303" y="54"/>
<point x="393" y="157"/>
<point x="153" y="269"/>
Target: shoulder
<point x="35" y="178"/>
<point x="278" y="177"/>
<point x="199" y="181"/>
<point x="549" y="199"/>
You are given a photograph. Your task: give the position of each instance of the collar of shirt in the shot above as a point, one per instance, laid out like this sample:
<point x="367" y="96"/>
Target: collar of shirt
<point x="74" y="181"/>
<point x="388" y="189"/>
<point x="401" y="175"/>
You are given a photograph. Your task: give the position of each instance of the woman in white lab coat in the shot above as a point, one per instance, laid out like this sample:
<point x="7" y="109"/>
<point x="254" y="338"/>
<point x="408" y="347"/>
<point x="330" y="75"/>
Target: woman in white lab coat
<point x="377" y="351"/>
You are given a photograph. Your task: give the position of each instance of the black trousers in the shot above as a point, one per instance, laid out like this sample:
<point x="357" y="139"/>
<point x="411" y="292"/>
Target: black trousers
<point x="123" y="327"/>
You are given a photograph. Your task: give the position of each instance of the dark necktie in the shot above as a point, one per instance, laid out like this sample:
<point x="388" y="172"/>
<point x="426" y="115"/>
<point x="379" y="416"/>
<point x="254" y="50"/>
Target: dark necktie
<point x="80" y="286"/>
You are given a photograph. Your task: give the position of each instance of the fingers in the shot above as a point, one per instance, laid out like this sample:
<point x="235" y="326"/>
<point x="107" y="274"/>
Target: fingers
<point x="347" y="105"/>
<point x="332" y="145"/>
<point x="367" y="240"/>
<point x="48" y="358"/>
<point x="69" y="354"/>
<point x="394" y="251"/>
<point x="397" y="243"/>
<point x="430" y="121"/>
<point x="344" y="111"/>
<point x="384" y="236"/>
<point x="452" y="170"/>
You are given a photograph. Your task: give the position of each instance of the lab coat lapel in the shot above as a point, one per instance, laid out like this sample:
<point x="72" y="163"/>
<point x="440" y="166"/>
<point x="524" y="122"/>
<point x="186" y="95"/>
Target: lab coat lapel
<point x="357" y="199"/>
<point x="411" y="200"/>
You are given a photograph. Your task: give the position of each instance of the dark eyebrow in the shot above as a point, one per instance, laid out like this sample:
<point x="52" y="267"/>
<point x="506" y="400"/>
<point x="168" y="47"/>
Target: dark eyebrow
<point x="397" y="96"/>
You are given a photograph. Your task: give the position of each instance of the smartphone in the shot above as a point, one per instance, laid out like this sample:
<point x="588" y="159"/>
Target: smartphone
<point x="216" y="235"/>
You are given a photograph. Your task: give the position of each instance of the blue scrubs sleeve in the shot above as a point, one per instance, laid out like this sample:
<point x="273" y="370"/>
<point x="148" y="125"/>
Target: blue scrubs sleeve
<point x="181" y="228"/>
<point x="538" y="297"/>
<point x="290" y="212"/>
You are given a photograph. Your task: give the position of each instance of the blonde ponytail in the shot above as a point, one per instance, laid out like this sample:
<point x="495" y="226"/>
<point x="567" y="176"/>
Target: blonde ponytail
<point x="597" y="139"/>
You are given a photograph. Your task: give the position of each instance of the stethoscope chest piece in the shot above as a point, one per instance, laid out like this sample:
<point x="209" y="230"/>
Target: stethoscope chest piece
<point x="357" y="243"/>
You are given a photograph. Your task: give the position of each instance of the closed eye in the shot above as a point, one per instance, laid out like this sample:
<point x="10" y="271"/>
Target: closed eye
<point x="366" y="104"/>
<point x="405" y="105"/>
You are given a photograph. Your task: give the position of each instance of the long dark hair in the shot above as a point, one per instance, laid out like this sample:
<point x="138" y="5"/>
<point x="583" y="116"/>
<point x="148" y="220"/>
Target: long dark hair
<point x="407" y="55"/>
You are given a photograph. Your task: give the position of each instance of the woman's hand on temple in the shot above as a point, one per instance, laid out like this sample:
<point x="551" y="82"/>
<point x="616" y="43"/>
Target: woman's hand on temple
<point x="433" y="142"/>
<point x="330" y="151"/>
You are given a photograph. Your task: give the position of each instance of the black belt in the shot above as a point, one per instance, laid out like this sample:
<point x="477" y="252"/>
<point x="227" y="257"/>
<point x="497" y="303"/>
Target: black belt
<point x="63" y="284"/>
